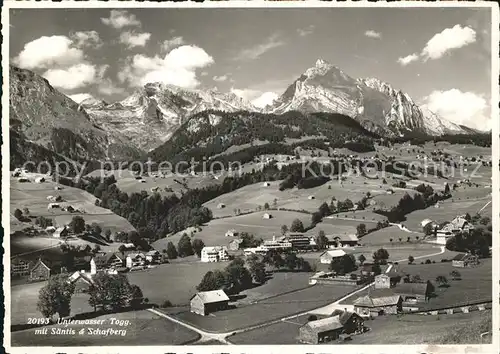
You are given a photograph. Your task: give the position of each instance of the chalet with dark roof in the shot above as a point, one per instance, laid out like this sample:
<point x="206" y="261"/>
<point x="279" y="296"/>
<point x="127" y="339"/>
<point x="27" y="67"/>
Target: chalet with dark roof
<point x="464" y="260"/>
<point x="44" y="269"/>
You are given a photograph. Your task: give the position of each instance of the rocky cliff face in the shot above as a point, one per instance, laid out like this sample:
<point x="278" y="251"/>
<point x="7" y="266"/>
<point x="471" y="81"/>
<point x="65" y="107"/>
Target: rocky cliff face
<point x="375" y="104"/>
<point x="153" y="113"/>
<point x="44" y="116"/>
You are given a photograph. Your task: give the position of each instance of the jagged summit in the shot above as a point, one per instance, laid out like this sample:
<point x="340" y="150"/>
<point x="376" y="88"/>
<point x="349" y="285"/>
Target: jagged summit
<point x="374" y="103"/>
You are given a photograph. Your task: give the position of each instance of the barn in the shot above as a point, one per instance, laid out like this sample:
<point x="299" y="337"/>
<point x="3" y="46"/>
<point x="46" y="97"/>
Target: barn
<point x="206" y="302"/>
<point x="321" y="331"/>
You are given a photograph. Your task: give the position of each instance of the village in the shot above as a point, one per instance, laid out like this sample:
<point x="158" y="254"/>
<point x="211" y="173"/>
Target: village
<point x="329" y="272"/>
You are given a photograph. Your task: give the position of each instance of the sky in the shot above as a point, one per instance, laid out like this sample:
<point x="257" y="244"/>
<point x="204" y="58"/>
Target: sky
<point x="441" y="57"/>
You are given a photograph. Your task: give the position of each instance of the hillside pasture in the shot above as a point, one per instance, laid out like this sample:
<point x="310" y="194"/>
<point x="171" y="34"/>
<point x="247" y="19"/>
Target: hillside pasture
<point x="389" y="236"/>
<point x="267" y="310"/>
<point x="447" y="211"/>
<point x="34" y="197"/>
<point x="213" y="233"/>
<point x="131" y="185"/>
<point x="335" y="227"/>
<point x="407" y="329"/>
<point x="251" y="197"/>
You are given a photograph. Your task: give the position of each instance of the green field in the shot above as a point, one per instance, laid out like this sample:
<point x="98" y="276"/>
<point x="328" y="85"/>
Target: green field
<point x="408" y="329"/>
<point x="34" y="197"/>
<point x="249" y="198"/>
<point x="25" y="297"/>
<point x="175" y="281"/>
<point x="131" y="185"/>
<point x="385" y="235"/>
<point x="267" y="310"/>
<point x="213" y="233"/>
<point x="144" y="329"/>
<point x="447" y="211"/>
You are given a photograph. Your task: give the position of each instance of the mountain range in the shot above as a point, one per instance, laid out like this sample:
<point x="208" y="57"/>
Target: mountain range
<point x="146" y="120"/>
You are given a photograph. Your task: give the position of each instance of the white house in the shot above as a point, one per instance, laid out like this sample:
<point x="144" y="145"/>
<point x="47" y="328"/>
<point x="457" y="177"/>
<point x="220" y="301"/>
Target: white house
<point x="39" y="179"/>
<point x="232" y="233"/>
<point x="267" y="216"/>
<point x="50" y="229"/>
<point x="53" y="206"/>
<point x="214" y="254"/>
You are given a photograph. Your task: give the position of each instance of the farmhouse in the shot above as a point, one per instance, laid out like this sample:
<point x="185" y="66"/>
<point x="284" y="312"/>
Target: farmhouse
<point x="50" y="229"/>
<point x="106" y="260"/>
<point x="346" y="240"/>
<point x="321" y="331"/>
<point x="371" y="306"/>
<point x="424" y="222"/>
<point x="82" y="281"/>
<point x="267" y="216"/>
<point x="464" y="260"/>
<point x="206" y="302"/>
<point x="327" y="256"/>
<point x="232" y="233"/>
<point x="20" y="267"/>
<point x="135" y="259"/>
<point x="221" y="206"/>
<point x="278" y="245"/>
<point x="235" y="245"/>
<point x="351" y="321"/>
<point x="413" y="292"/>
<point x="53" y="206"/>
<point x="61" y="231"/>
<point x="153" y="257"/>
<point x="39" y="179"/>
<point x="382" y="281"/>
<point x="44" y="269"/>
<point x="214" y="254"/>
<point x="261" y="250"/>
<point x="266" y="184"/>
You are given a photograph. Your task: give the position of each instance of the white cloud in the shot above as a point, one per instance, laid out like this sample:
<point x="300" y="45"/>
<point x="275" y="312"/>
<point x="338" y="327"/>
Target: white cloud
<point x="80" y="97"/>
<point x="132" y="39"/>
<point x="87" y="39"/>
<point x="265" y="99"/>
<point x="373" y="34"/>
<point x="108" y="88"/>
<point x="303" y="32"/>
<point x="443" y="42"/>
<point x="121" y="18"/>
<point x="466" y="108"/>
<point x="220" y="78"/>
<point x="169" y="44"/>
<point x="177" y="68"/>
<point x="257" y="98"/>
<point x="449" y="39"/>
<point x="246" y="94"/>
<point x="48" y="51"/>
<point x="408" y="59"/>
<point x="73" y="77"/>
<point x="259" y="49"/>
<point x="204" y="73"/>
